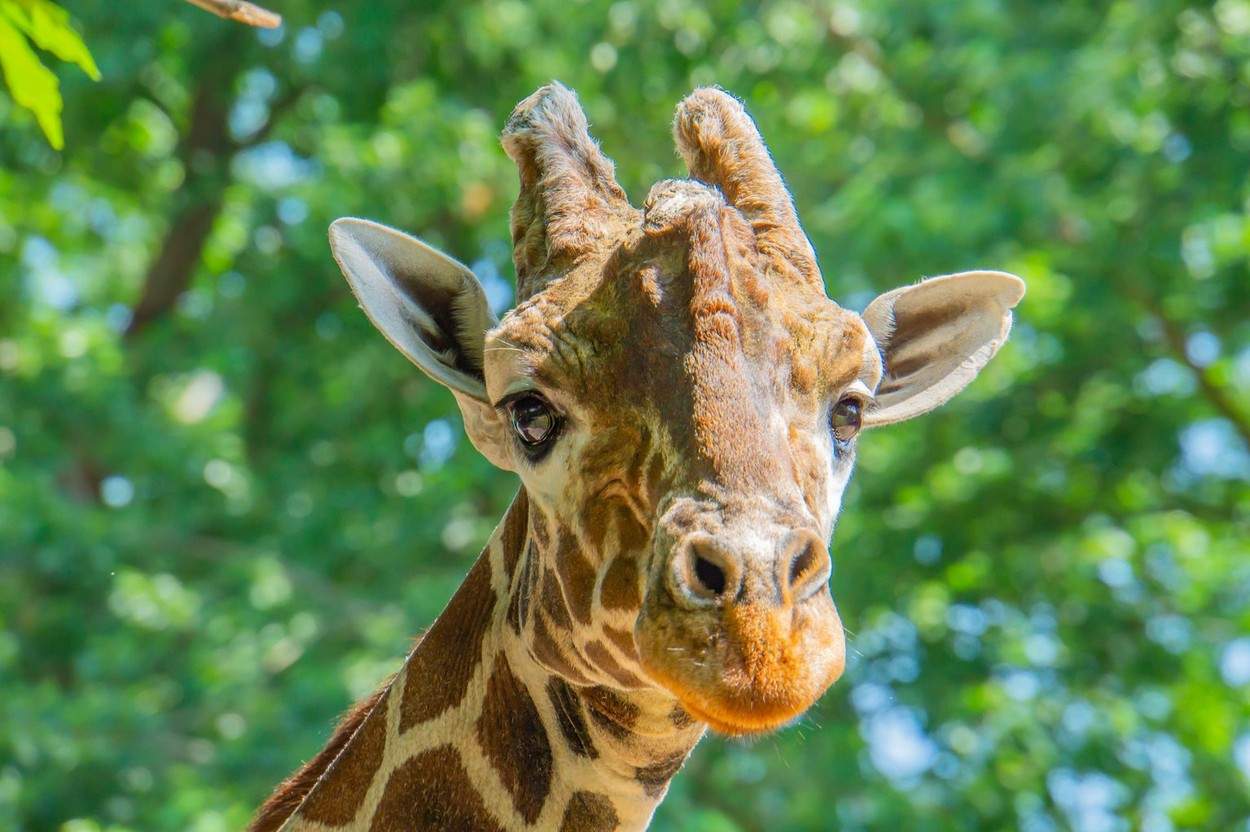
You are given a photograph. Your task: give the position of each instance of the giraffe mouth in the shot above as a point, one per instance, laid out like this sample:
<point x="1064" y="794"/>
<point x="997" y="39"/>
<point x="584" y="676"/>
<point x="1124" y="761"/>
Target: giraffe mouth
<point x="734" y="719"/>
<point x="746" y="668"/>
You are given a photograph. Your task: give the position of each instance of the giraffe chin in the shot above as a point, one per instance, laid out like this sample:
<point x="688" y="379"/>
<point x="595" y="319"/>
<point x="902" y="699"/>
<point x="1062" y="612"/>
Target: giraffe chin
<point x="736" y="719"/>
<point x="747" y="669"/>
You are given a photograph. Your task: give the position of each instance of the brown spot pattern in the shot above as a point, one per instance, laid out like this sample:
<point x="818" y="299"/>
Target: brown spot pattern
<point x="514" y="740"/>
<point x="641" y="450"/>
<point x="515" y="531"/>
<point x="620" y="585"/>
<point x="631" y="536"/>
<point x="343" y="788"/>
<point x="597" y="653"/>
<point x="432" y="791"/>
<point x="522" y="588"/>
<point x="624" y="641"/>
<point x="553" y="602"/>
<point x="568" y="710"/>
<point x="680" y="718"/>
<point x="654" y="778"/>
<point x="549" y="653"/>
<point x="538" y="527"/>
<point x="577" y="576"/>
<point x="291" y="793"/>
<point x="610" y="711"/>
<point x="589" y="812"/>
<point x="450" y="651"/>
<point x="595" y="521"/>
<point x="718" y="372"/>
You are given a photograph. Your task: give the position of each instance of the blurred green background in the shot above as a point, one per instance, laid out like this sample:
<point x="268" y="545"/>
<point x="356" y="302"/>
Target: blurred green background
<point x="226" y="504"/>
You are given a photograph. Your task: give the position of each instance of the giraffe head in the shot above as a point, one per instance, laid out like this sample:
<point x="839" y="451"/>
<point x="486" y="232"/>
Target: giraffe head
<point x="681" y="400"/>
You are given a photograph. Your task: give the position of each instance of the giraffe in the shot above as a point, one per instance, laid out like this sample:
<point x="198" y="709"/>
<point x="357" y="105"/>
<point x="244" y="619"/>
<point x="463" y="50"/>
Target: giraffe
<point x="681" y="402"/>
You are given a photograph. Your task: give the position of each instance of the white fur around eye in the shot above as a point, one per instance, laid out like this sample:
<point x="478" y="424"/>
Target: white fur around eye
<point x="858" y="388"/>
<point x="549" y="480"/>
<point x="840" y="468"/>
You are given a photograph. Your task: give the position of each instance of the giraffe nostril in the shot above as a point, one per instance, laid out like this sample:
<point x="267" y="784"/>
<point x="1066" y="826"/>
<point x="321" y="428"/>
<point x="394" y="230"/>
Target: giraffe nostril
<point x="802" y="562"/>
<point x="709" y="575"/>
<point x="703" y="573"/>
<point x="809" y="568"/>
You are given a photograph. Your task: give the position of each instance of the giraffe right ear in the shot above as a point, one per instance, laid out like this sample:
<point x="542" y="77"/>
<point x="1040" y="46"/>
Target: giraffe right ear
<point x="432" y="309"/>
<point x="935" y="336"/>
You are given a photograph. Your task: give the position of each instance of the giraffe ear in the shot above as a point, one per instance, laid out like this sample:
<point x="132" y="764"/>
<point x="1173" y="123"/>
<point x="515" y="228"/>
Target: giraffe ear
<point x="429" y="306"/>
<point x="935" y="336"/>
<point x="432" y="309"/>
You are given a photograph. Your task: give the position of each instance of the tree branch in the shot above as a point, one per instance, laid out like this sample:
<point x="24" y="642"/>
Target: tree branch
<point x="1174" y="334"/>
<point x="202" y="152"/>
<point x="1215" y="393"/>
<point x="205" y="151"/>
<point x="240" y="11"/>
<point x="170" y="273"/>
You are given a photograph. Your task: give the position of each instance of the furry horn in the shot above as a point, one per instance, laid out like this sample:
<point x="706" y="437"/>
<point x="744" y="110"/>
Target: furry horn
<point x="722" y="146"/>
<point x="569" y="199"/>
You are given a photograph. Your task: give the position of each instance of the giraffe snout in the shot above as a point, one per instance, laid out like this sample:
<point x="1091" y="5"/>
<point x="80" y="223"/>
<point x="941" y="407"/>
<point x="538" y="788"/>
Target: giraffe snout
<point x="707" y="570"/>
<point x="738" y="622"/>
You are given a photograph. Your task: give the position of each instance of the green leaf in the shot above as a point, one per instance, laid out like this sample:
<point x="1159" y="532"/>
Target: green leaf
<point x="48" y="26"/>
<point x="32" y="84"/>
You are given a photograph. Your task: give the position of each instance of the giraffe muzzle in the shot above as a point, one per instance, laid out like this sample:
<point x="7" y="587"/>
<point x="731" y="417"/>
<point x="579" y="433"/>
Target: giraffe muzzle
<point x="739" y="624"/>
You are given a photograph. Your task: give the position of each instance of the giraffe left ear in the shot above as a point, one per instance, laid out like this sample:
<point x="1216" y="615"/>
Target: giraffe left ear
<point x="935" y="337"/>
<point x="432" y="309"/>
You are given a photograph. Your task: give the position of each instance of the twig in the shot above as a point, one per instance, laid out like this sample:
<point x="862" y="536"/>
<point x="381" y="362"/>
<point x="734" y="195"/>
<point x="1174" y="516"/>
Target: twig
<point x="1214" y="392"/>
<point x="240" y="11"/>
<point x="170" y="274"/>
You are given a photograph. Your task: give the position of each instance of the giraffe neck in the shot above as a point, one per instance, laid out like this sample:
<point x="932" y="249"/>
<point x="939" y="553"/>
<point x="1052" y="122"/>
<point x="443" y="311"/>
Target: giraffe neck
<point x="473" y="733"/>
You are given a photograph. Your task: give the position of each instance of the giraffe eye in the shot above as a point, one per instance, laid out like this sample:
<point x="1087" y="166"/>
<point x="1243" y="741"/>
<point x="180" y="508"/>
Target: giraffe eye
<point x="847" y="418"/>
<point x="534" y="421"/>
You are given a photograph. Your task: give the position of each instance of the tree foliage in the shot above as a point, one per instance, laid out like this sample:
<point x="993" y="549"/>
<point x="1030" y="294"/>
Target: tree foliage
<point x="226" y="503"/>
<point x="42" y="24"/>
